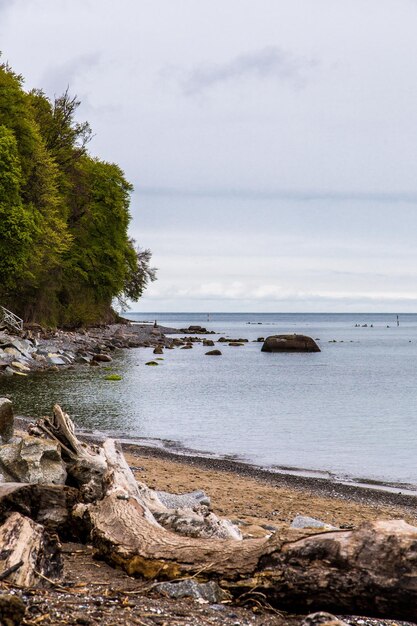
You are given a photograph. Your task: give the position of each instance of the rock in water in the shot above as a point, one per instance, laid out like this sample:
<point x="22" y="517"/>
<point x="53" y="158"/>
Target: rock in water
<point x="6" y="419"/>
<point x="213" y="353"/>
<point x="290" y="343"/>
<point x="102" y="358"/>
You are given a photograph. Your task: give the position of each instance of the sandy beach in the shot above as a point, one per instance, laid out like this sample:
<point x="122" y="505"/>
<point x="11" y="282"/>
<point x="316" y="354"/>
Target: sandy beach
<point x="259" y="501"/>
<point x="255" y="498"/>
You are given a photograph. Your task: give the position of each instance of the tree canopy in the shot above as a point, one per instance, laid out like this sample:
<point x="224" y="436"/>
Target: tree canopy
<point x="65" y="252"/>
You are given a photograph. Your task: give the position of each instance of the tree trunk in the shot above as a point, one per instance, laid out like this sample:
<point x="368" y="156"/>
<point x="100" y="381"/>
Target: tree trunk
<point x="28" y="552"/>
<point x="371" y="570"/>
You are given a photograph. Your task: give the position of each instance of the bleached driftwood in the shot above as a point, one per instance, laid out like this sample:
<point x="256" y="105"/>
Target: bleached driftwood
<point x="86" y="464"/>
<point x="28" y="553"/>
<point x="49" y="505"/>
<point x="371" y="570"/>
<point x="120" y="481"/>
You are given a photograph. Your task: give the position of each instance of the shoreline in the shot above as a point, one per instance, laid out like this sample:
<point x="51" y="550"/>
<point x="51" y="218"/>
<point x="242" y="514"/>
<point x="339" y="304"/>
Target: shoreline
<point x="361" y="494"/>
<point x="94" y="347"/>
<point x="387" y="494"/>
<point x="40" y="350"/>
<point x="323" y="487"/>
<point x="172" y="450"/>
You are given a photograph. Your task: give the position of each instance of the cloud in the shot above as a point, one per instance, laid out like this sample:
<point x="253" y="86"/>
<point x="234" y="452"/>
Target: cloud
<point x="239" y="291"/>
<point x="6" y="4"/>
<point x="291" y="195"/>
<point x="59" y="77"/>
<point x="269" y="62"/>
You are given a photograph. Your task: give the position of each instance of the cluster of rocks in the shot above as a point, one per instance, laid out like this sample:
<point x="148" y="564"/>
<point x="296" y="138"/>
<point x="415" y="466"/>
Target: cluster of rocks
<point x="25" y="458"/>
<point x="199" y="330"/>
<point x="38" y="350"/>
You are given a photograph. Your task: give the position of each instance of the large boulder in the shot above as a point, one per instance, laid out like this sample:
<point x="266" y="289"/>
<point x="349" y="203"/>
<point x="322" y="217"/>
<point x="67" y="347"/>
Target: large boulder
<point x="290" y="343"/>
<point x="33" y="460"/>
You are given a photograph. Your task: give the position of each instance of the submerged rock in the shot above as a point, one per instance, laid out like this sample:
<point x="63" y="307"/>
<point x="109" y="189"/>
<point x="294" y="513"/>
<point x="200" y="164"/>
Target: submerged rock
<point x="290" y="343"/>
<point x="213" y="353"/>
<point x="102" y="358"/>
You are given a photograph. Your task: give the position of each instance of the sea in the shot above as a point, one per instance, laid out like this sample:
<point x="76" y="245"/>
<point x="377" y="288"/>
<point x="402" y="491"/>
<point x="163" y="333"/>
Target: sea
<point x="347" y="413"/>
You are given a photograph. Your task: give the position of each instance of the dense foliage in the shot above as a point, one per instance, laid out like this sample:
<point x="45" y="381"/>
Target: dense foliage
<point x="65" y="253"/>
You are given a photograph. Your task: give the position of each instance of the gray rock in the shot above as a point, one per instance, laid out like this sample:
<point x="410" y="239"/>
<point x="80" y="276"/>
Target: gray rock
<point x="6" y="419"/>
<point x="56" y="360"/>
<point x="303" y="521"/>
<point x="322" y="619"/>
<point x="192" y="500"/>
<point x="33" y="460"/>
<point x="85" y="360"/>
<point x="210" y="592"/>
<point x="201" y="524"/>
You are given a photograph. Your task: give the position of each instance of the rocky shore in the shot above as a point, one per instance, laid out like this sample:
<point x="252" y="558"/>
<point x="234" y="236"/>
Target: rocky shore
<point x="37" y="349"/>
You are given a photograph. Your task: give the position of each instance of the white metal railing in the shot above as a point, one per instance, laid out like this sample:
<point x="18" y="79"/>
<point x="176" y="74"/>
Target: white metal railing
<point x="9" y="319"/>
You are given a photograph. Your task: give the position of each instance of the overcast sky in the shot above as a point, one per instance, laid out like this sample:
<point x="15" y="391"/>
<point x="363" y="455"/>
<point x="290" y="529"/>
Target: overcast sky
<point x="272" y="143"/>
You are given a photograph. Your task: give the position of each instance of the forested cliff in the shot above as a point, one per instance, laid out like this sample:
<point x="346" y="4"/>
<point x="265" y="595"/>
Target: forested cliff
<point x="65" y="253"/>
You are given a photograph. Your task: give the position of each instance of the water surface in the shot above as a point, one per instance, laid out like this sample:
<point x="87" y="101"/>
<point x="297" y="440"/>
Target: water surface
<point x="350" y="411"/>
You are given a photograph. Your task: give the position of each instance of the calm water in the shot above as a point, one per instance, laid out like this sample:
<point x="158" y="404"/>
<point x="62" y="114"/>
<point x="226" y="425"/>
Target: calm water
<point x="350" y="410"/>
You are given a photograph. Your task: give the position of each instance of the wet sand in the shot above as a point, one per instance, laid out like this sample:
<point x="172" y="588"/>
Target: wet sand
<point x="256" y="498"/>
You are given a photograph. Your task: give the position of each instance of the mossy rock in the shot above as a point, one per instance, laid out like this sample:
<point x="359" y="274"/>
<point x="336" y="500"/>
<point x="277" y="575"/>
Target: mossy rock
<point x="152" y="363"/>
<point x="113" y="377"/>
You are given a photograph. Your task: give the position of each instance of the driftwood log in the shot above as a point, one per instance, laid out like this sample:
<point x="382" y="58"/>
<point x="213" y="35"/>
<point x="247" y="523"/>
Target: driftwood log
<point x="28" y="554"/>
<point x="370" y="571"/>
<point x="49" y="505"/>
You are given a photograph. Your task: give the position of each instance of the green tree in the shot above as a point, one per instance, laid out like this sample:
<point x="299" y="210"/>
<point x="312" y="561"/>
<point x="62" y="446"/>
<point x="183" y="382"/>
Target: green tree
<point x="65" y="253"/>
<point x="17" y="227"/>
